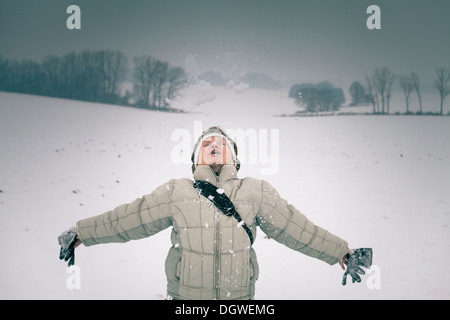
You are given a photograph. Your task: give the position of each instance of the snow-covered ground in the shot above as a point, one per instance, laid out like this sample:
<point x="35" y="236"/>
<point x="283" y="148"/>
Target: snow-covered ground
<point x="381" y="182"/>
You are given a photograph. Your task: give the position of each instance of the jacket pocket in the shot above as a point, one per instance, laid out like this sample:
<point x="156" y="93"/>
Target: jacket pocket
<point x="254" y="267"/>
<point x="178" y="270"/>
<point x="173" y="265"/>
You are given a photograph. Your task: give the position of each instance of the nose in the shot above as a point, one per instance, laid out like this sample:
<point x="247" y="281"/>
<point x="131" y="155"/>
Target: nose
<point x="214" y="144"/>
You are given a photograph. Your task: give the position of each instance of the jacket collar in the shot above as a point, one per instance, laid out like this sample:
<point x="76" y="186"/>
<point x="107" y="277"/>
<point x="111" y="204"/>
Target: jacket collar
<point x="206" y="173"/>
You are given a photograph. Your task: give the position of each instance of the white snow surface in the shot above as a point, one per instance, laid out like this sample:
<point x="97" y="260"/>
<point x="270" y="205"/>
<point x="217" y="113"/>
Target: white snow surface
<point x="376" y="181"/>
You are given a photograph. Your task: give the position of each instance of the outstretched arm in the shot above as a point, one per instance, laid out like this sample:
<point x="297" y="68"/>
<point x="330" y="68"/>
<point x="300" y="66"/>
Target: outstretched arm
<point x="141" y="218"/>
<point x="287" y="225"/>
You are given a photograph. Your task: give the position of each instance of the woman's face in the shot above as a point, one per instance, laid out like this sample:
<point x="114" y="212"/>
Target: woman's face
<point x="215" y="152"/>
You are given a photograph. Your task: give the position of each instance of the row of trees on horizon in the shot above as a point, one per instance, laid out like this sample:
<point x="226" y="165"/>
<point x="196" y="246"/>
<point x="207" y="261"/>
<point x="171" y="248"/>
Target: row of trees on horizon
<point x="321" y="97"/>
<point x="95" y="76"/>
<point x="377" y="91"/>
<point x="98" y="76"/>
<point x="379" y="86"/>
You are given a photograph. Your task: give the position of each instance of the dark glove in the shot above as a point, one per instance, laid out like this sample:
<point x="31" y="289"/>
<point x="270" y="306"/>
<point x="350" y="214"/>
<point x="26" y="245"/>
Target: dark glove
<point x="67" y="242"/>
<point x="359" y="258"/>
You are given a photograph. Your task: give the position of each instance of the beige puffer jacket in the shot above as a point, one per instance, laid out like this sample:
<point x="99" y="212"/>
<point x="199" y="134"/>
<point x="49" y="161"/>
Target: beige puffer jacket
<point x="211" y="256"/>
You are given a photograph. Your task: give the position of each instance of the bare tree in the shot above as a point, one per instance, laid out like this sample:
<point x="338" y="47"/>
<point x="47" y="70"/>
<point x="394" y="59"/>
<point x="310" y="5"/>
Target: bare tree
<point x="325" y="99"/>
<point x="416" y="85"/>
<point x="153" y="78"/>
<point x="51" y="68"/>
<point x="358" y="92"/>
<point x="159" y="80"/>
<point x="88" y="76"/>
<point x="144" y="77"/>
<point x="118" y="71"/>
<point x="442" y="84"/>
<point x="407" y="84"/>
<point x="92" y="76"/>
<point x="309" y="98"/>
<point x="175" y="79"/>
<point x="373" y="95"/>
<point x="69" y="85"/>
<point x="383" y="79"/>
<point x="112" y="65"/>
<point x="390" y="83"/>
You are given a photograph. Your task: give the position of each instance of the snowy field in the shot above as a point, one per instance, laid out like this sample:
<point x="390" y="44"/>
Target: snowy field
<point x="376" y="181"/>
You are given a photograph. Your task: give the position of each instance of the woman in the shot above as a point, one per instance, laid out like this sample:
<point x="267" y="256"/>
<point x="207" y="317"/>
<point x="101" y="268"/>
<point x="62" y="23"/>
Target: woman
<point x="211" y="256"/>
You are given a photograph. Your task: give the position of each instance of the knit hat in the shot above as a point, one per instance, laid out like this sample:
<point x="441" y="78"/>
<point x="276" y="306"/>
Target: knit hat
<point x="214" y="131"/>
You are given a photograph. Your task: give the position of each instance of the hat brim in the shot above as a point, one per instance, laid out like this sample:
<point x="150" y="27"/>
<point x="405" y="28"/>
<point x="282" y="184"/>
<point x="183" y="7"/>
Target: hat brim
<point x="198" y="146"/>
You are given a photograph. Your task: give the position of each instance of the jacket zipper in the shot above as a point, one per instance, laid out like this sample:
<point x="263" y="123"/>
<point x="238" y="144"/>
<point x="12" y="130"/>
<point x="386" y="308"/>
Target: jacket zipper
<point x="217" y="256"/>
<point x="217" y="224"/>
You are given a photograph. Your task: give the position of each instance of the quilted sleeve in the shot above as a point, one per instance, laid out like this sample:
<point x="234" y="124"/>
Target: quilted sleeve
<point x="287" y="225"/>
<point x="139" y="219"/>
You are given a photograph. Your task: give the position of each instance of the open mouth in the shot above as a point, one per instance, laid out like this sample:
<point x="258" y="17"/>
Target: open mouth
<point x="214" y="152"/>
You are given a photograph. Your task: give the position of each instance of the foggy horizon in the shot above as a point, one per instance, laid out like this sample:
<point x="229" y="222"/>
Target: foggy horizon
<point x="293" y="41"/>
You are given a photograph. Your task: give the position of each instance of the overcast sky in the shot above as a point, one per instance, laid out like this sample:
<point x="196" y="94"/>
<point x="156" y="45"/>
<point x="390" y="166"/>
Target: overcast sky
<point x="309" y="40"/>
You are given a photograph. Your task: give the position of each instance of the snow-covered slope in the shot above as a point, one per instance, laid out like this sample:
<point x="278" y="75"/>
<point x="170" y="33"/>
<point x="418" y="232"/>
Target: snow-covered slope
<point x="381" y="182"/>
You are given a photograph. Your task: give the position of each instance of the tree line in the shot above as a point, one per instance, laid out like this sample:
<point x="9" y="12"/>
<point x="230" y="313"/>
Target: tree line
<point x="378" y="89"/>
<point x="321" y="97"/>
<point x="95" y="76"/>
